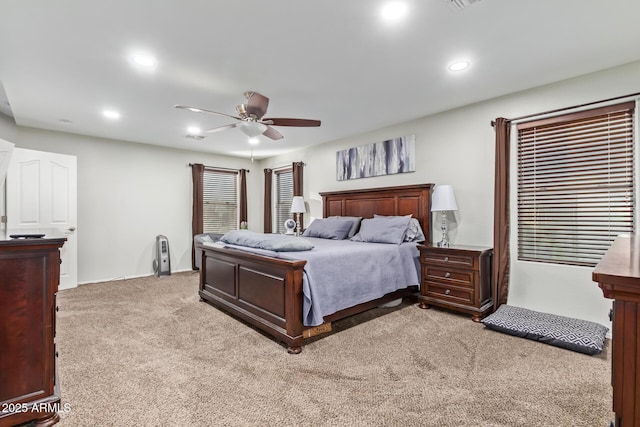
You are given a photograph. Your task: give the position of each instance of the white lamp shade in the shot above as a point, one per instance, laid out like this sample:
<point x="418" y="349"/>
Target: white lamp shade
<point x="443" y="199"/>
<point x="297" y="205"/>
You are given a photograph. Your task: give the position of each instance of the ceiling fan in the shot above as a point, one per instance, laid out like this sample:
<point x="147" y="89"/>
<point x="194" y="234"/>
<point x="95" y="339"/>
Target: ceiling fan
<point x="251" y="120"/>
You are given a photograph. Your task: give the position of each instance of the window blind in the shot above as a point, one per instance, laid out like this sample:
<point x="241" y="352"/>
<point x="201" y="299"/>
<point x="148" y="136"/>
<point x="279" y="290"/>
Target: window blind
<point x="284" y="197"/>
<point x="220" y="201"/>
<point x="576" y="189"/>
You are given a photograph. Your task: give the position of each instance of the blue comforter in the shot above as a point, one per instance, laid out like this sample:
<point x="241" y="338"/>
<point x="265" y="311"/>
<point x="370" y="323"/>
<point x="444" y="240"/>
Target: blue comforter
<point x="340" y="273"/>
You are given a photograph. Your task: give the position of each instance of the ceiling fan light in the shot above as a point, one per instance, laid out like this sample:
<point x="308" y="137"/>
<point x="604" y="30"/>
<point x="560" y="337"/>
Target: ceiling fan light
<point x="252" y="129"/>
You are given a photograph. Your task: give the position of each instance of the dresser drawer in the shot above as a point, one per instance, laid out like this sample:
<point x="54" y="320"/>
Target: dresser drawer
<point x="463" y="278"/>
<point x="450" y="293"/>
<point x="445" y="258"/>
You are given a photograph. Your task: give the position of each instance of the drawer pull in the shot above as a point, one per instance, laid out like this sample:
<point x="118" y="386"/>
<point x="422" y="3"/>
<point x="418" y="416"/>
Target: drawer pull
<point x="447" y="292"/>
<point x="447" y="274"/>
<point x="446" y="259"/>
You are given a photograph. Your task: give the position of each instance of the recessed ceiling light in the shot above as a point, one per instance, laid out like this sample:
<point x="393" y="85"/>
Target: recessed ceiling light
<point x="459" y="65"/>
<point x="146" y="61"/>
<point x="110" y="114"/>
<point x="253" y="141"/>
<point x="194" y="130"/>
<point x="394" y="10"/>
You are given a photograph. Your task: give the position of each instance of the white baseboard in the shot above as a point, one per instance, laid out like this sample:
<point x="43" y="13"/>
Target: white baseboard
<point x="135" y="276"/>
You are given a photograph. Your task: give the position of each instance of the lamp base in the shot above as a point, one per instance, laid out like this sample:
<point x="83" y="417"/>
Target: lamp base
<point x="444" y="243"/>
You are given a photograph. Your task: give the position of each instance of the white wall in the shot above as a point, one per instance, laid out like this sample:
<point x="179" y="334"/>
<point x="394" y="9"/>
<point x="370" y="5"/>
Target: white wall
<point x="127" y="195"/>
<point x="457" y="147"/>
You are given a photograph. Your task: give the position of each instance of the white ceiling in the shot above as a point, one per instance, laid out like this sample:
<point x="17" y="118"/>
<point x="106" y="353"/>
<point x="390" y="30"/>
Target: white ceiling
<point x="331" y="60"/>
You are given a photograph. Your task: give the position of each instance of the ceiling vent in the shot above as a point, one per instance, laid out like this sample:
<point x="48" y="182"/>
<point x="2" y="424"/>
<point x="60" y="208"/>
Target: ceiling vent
<point x="458" y="5"/>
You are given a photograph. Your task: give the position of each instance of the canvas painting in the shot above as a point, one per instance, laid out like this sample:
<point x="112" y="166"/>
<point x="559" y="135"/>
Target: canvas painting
<point x="392" y="156"/>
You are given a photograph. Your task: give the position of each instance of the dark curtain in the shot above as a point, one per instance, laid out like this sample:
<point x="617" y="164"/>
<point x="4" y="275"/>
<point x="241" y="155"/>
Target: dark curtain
<point x="243" y="195"/>
<point x="197" y="172"/>
<point x="500" y="270"/>
<point x="268" y="220"/>
<point x="298" y="189"/>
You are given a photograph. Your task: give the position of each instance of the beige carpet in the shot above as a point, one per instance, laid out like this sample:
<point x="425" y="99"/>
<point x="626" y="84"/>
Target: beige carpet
<point x="147" y="352"/>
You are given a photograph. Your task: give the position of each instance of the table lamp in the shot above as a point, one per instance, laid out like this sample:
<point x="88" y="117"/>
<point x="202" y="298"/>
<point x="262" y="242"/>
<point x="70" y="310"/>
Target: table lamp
<point x="297" y="207"/>
<point x="444" y="201"/>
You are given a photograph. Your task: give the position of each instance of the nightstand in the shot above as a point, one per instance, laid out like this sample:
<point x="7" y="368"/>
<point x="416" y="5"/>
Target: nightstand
<point x="456" y="277"/>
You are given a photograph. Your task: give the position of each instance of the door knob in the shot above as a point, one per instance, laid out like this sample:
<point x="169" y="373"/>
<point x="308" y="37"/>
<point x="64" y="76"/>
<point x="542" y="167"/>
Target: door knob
<point x="71" y="229"/>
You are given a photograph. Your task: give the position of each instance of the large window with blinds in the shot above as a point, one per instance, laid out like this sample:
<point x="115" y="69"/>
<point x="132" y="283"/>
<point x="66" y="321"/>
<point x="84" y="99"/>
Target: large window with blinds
<point x="283" y="199"/>
<point x="576" y="189"/>
<point x="220" y="201"/>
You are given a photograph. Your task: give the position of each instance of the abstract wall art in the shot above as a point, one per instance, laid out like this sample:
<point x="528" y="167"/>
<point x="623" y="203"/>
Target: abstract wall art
<point x="388" y="157"/>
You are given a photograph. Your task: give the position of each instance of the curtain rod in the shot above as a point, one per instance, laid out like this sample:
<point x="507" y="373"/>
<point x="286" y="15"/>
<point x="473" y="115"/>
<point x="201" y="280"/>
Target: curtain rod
<point x="220" y="169"/>
<point x="493" y="122"/>
<point x="289" y="166"/>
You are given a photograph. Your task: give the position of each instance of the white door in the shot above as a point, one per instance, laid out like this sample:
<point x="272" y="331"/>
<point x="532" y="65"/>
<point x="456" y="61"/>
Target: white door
<point x="6" y="148"/>
<point x="42" y="193"/>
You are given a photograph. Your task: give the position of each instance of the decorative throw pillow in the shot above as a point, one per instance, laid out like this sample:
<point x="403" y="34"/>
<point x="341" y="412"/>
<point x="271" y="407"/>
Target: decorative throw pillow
<point x="574" y="334"/>
<point x="335" y="228"/>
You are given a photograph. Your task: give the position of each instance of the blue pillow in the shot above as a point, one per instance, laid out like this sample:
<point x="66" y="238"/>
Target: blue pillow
<point x="335" y="228"/>
<point x="355" y="225"/>
<point x="413" y="233"/>
<point x="383" y="229"/>
<point x="272" y="242"/>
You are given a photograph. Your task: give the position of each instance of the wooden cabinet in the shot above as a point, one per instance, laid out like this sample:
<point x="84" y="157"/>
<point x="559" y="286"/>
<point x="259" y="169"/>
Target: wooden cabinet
<point x="618" y="275"/>
<point x="456" y="277"/>
<point x="29" y="277"/>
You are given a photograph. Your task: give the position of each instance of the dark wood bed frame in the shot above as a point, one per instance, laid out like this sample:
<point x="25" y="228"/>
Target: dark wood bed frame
<point x="267" y="292"/>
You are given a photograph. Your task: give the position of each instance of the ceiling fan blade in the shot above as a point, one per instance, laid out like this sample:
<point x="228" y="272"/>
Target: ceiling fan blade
<point x="291" y="122"/>
<point x="272" y="133"/>
<point x="202" y="110"/>
<point x="256" y="104"/>
<point x="221" y="128"/>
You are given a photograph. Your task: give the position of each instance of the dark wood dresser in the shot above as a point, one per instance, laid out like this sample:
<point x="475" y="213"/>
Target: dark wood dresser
<point x="29" y="277"/>
<point x="618" y="275"/>
<point x="456" y="277"/>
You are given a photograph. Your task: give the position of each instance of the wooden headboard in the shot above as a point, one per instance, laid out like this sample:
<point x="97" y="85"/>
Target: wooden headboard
<point x="401" y="200"/>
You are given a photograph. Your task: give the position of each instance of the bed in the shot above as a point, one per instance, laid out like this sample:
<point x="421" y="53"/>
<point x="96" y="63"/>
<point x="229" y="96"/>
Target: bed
<point x="267" y="292"/>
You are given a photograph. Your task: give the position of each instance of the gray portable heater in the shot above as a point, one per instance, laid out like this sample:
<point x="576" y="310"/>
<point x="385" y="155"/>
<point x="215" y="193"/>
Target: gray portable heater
<point x="162" y="263"/>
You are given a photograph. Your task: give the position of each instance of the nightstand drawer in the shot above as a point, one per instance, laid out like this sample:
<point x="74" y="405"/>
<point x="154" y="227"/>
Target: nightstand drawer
<point x="445" y="276"/>
<point x="453" y="259"/>
<point x="450" y="293"/>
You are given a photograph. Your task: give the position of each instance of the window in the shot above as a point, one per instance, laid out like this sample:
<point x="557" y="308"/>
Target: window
<point x="576" y="188"/>
<point x="219" y="201"/>
<point x="284" y="196"/>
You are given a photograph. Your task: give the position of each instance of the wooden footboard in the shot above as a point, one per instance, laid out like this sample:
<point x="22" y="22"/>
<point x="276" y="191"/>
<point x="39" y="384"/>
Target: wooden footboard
<point x="265" y="292"/>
